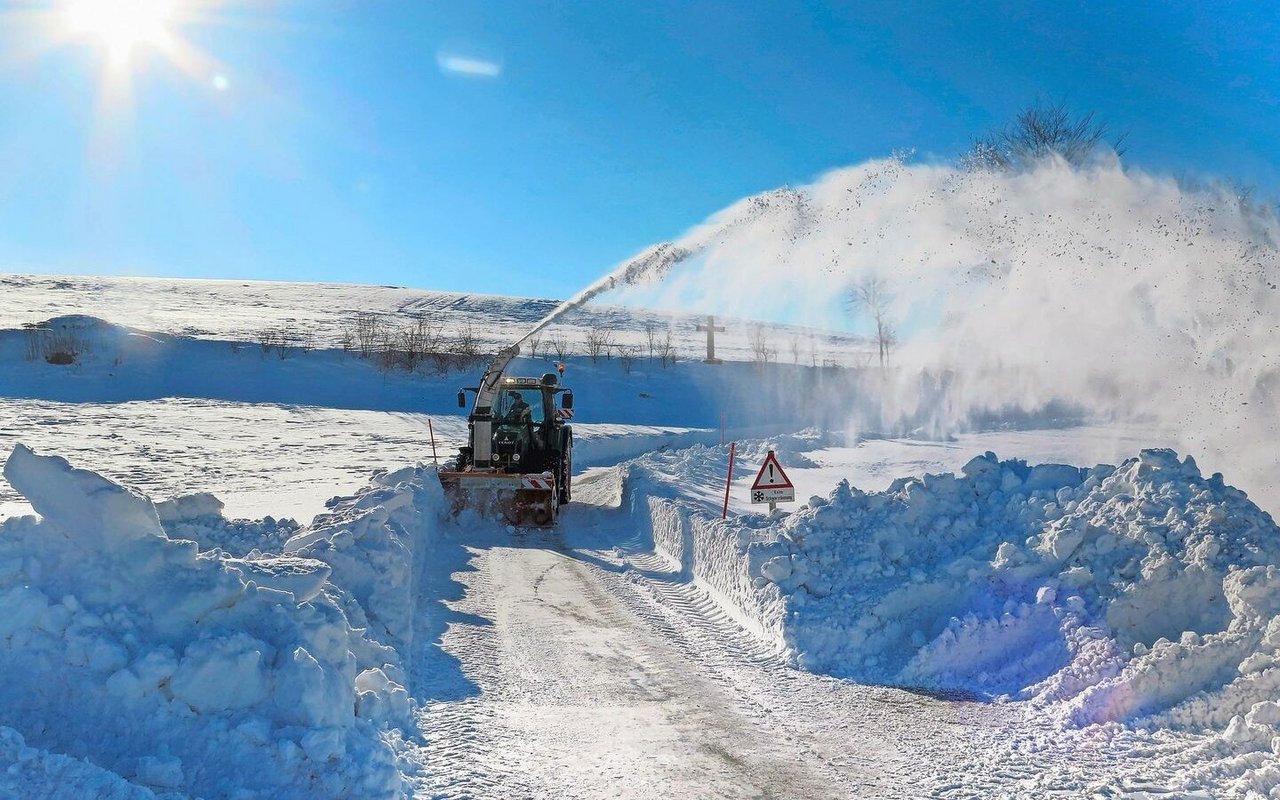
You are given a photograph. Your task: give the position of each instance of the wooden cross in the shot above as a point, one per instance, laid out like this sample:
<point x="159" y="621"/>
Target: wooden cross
<point x="711" y="329"/>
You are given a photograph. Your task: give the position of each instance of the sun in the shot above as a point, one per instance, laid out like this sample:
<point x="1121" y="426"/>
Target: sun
<point x="122" y="25"/>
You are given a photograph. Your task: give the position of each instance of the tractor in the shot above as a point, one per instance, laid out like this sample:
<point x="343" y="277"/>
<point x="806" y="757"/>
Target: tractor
<point x="518" y="459"/>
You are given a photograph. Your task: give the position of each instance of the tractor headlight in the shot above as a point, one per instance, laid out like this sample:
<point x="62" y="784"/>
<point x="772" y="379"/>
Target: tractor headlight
<point x="515" y="456"/>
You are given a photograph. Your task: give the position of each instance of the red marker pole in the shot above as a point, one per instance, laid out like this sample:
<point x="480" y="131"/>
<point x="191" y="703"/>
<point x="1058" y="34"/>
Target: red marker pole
<point x="434" y="459"/>
<point x="733" y="447"/>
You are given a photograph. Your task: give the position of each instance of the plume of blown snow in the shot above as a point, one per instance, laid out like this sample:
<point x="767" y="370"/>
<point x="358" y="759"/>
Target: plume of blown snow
<point x="1102" y="288"/>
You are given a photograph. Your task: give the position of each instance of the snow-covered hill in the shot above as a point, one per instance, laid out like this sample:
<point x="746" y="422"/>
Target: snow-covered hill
<point x="319" y="314"/>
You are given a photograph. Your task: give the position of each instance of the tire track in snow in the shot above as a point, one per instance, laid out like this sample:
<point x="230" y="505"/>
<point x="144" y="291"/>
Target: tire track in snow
<point x="465" y="750"/>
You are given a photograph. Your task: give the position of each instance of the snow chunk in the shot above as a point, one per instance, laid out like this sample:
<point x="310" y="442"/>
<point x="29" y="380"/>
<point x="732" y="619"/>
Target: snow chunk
<point x="81" y="503"/>
<point x="189" y="507"/>
<point x="221" y="674"/>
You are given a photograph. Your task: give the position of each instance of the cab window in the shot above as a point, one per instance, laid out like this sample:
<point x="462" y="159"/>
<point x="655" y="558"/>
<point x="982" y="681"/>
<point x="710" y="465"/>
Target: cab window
<point x="510" y="399"/>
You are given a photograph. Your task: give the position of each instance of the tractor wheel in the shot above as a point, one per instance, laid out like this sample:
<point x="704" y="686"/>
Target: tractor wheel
<point x="565" y="484"/>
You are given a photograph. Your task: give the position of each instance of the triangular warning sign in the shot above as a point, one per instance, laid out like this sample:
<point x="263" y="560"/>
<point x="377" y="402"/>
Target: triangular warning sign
<point x="771" y="475"/>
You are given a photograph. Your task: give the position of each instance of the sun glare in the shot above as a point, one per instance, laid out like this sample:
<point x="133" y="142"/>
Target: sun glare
<point x="122" y="25"/>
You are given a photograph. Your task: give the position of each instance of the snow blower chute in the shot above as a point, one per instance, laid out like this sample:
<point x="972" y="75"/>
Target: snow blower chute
<point x="518" y="459"/>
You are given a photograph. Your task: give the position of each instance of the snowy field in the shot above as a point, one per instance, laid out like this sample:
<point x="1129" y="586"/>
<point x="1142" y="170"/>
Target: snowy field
<point x="276" y="605"/>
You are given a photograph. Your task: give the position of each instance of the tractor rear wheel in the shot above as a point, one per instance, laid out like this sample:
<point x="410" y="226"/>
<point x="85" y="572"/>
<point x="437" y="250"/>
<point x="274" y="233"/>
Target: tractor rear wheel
<point x="564" y="482"/>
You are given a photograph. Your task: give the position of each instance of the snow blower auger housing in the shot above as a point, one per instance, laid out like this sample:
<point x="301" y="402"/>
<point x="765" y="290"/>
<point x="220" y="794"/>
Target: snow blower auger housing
<point x="518" y="460"/>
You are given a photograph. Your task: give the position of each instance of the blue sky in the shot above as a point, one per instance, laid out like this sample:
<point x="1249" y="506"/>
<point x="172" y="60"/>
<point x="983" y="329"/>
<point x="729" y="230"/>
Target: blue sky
<point x="524" y="148"/>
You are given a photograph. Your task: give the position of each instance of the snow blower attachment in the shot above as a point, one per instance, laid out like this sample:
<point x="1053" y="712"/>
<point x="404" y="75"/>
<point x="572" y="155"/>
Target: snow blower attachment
<point x="518" y="460"/>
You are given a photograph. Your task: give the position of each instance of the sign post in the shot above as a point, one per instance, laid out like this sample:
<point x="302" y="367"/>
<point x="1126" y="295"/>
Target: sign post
<point x="728" y="481"/>
<point x="772" y="485"/>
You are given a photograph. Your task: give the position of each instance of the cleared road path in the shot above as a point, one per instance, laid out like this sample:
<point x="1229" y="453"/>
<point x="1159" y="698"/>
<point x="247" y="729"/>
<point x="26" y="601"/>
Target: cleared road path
<point x="568" y="668"/>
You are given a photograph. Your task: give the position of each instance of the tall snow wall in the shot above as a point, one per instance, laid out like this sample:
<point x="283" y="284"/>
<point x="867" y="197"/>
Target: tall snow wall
<point x="215" y="674"/>
<point x="1142" y="592"/>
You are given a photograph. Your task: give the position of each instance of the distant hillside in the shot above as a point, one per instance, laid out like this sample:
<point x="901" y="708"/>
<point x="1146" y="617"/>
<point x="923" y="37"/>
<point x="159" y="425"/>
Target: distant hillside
<point x="322" y="313"/>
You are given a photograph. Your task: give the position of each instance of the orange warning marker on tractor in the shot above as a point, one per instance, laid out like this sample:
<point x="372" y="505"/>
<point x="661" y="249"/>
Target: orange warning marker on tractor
<point x="772" y="485"/>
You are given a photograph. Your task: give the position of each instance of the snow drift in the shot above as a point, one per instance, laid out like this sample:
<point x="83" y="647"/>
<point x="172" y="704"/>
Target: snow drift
<point x="212" y="674"/>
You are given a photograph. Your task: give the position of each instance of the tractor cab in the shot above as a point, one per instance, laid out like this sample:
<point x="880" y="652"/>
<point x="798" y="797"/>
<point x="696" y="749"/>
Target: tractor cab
<point x="526" y="424"/>
<point x="518" y="420"/>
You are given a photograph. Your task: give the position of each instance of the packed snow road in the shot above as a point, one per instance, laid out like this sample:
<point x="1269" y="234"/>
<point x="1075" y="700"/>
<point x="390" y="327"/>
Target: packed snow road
<point x="565" y="669"/>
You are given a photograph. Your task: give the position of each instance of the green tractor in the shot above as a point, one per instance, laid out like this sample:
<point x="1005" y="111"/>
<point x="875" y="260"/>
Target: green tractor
<point x="518" y="461"/>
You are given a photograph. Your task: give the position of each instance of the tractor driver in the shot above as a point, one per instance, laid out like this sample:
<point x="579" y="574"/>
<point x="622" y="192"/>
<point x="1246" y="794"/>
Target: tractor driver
<point x="519" y="409"/>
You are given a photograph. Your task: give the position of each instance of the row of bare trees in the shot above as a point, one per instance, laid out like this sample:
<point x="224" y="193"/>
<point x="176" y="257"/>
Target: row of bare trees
<point x="412" y="345"/>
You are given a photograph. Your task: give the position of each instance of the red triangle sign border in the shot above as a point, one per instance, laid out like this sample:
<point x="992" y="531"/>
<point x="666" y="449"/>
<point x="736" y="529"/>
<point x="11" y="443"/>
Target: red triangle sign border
<point x="772" y="459"/>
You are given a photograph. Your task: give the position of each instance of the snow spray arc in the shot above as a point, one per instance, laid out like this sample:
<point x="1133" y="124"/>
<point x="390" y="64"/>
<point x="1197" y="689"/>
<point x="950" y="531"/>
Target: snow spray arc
<point x="1101" y="291"/>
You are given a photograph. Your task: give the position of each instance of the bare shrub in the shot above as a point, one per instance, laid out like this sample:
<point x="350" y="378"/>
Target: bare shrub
<point x="1038" y="131"/>
<point x="627" y="355"/>
<point x="278" y="338"/>
<point x="795" y="349"/>
<point x="534" y="343"/>
<point x="267" y="338"/>
<point x="60" y="348"/>
<point x="598" y="343"/>
<point x="306" y="340"/>
<point x="36" y="333"/>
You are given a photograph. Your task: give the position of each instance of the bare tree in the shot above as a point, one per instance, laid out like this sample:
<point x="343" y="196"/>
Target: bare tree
<point x="412" y="344"/>
<point x="535" y="344"/>
<point x="871" y="296"/>
<point x="761" y="351"/>
<point x="306" y="339"/>
<point x="627" y="355"/>
<point x="651" y="337"/>
<point x="1038" y="131"/>
<point x="369" y="333"/>
<point x="667" y="349"/>
<point x="465" y="347"/>
<point x="795" y="349"/>
<point x="598" y="342"/>
<point x="559" y="344"/>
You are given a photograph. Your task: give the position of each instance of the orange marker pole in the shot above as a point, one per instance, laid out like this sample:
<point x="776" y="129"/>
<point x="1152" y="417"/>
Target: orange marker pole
<point x="733" y="447"/>
<point x="430" y="428"/>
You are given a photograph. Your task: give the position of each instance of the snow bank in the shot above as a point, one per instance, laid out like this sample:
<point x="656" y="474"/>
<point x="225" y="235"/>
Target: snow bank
<point x="1144" y="593"/>
<point x="174" y="669"/>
